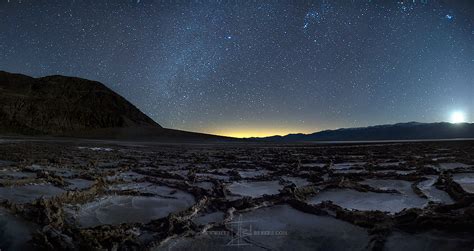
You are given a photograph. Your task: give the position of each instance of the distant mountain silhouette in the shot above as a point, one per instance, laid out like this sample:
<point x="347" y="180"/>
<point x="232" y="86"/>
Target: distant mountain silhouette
<point x="75" y="107"/>
<point x="69" y="106"/>
<point x="401" y="131"/>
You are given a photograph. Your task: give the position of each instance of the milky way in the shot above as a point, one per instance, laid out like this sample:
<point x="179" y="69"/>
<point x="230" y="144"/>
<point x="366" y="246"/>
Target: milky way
<point x="256" y="67"/>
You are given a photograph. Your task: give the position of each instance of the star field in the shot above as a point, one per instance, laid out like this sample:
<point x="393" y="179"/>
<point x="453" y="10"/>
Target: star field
<point x="253" y="68"/>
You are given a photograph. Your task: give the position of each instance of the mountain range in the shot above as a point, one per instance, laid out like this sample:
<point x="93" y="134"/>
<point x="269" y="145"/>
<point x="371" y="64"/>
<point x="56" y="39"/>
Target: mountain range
<point x="400" y="131"/>
<point x="76" y="107"/>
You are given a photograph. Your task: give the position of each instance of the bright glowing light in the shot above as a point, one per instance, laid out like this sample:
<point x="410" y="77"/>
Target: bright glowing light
<point x="458" y="117"/>
<point x="253" y="133"/>
<point x="260" y="130"/>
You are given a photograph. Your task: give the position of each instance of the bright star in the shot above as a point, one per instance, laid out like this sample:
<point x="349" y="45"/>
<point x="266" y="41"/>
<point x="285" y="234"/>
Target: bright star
<point x="458" y="117"/>
<point x="449" y="16"/>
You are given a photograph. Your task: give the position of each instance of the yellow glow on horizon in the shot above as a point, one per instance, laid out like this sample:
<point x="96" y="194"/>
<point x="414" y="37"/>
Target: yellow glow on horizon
<point x="249" y="129"/>
<point x="249" y="134"/>
<point x="252" y="132"/>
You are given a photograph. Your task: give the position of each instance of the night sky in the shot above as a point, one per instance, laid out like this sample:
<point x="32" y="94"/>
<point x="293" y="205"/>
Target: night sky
<point x="253" y="68"/>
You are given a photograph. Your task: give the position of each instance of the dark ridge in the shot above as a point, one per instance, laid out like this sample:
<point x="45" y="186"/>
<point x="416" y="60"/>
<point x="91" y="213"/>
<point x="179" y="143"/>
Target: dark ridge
<point x="58" y="105"/>
<point x="75" y="107"/>
<point x="400" y="131"/>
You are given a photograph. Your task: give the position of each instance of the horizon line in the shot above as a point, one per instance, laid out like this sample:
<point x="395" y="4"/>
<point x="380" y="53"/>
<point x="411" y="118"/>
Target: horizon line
<point x="236" y="135"/>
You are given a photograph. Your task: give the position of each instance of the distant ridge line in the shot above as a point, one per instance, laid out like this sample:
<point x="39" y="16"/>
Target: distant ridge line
<point x="399" y="131"/>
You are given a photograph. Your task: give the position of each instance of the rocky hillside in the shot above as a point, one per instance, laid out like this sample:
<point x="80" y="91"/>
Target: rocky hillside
<point x="57" y="105"/>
